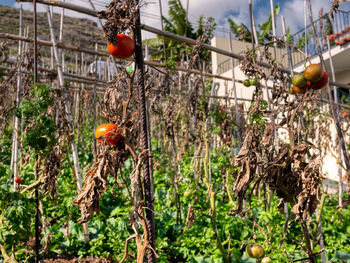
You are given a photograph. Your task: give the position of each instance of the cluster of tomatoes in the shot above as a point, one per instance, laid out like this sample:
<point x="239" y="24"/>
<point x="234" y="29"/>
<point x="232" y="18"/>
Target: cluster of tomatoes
<point x="108" y="133"/>
<point x="312" y="78"/>
<point x="257" y="251"/>
<point x="250" y="82"/>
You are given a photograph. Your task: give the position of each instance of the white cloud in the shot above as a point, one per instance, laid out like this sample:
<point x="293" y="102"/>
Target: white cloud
<point x="293" y="11"/>
<point x="220" y="10"/>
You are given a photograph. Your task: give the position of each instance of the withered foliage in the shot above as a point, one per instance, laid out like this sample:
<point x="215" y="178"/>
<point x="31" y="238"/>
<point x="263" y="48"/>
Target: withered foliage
<point x="8" y="86"/>
<point x="120" y="16"/>
<point x="291" y="169"/>
<point x="119" y="107"/>
<point x="246" y="160"/>
<point x="95" y="181"/>
<point x="50" y="170"/>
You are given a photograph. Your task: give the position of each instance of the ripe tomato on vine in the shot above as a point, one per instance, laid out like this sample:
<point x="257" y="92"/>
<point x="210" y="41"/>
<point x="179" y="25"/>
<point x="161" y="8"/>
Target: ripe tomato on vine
<point x="125" y="47"/>
<point x="108" y="132"/>
<point x="18" y="180"/>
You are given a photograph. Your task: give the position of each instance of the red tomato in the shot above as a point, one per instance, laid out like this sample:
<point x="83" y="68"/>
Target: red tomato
<point x="321" y="83"/>
<point x="18" y="180"/>
<point x="125" y="47"/>
<point x="87" y="95"/>
<point x="227" y="143"/>
<point x="59" y="158"/>
<point x="108" y="132"/>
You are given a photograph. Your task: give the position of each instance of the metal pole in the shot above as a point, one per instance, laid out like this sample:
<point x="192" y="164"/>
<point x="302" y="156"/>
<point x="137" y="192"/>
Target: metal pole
<point x="144" y="128"/>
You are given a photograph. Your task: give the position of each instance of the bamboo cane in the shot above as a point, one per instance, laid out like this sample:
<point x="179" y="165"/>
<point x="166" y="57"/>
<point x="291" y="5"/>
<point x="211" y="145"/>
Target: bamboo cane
<point x="18" y="99"/>
<point x="94" y="149"/>
<point x="238" y="121"/>
<point x="339" y="161"/>
<point x="69" y="116"/>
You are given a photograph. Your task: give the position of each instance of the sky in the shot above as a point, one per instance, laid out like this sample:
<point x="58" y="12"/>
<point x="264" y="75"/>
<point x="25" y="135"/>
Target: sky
<point x="221" y="10"/>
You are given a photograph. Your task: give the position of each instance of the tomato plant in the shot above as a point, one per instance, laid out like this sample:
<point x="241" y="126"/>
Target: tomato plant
<point x="125" y="47"/>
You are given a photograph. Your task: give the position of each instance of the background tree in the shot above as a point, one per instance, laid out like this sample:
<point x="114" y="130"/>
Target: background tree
<point x="177" y="23"/>
<point x="264" y="32"/>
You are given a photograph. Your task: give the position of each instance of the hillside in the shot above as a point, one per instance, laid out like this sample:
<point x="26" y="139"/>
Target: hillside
<point x="76" y="31"/>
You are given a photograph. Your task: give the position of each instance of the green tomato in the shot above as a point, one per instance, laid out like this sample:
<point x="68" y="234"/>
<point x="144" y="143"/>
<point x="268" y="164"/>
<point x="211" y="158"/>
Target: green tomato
<point x="299" y="80"/>
<point x="266" y="260"/>
<point x="188" y="193"/>
<point x="254" y="82"/>
<point x="255" y="251"/>
<point x="246" y="82"/>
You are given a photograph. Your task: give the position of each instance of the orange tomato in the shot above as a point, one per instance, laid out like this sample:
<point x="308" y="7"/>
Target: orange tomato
<point x="125" y="47"/>
<point x="87" y="95"/>
<point x="313" y="72"/>
<point x="227" y="143"/>
<point x="299" y="90"/>
<point x="108" y="133"/>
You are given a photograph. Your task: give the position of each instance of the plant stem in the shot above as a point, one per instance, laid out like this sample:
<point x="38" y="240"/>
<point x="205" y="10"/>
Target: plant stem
<point x="308" y="242"/>
<point x="37" y="233"/>
<point x="215" y="228"/>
